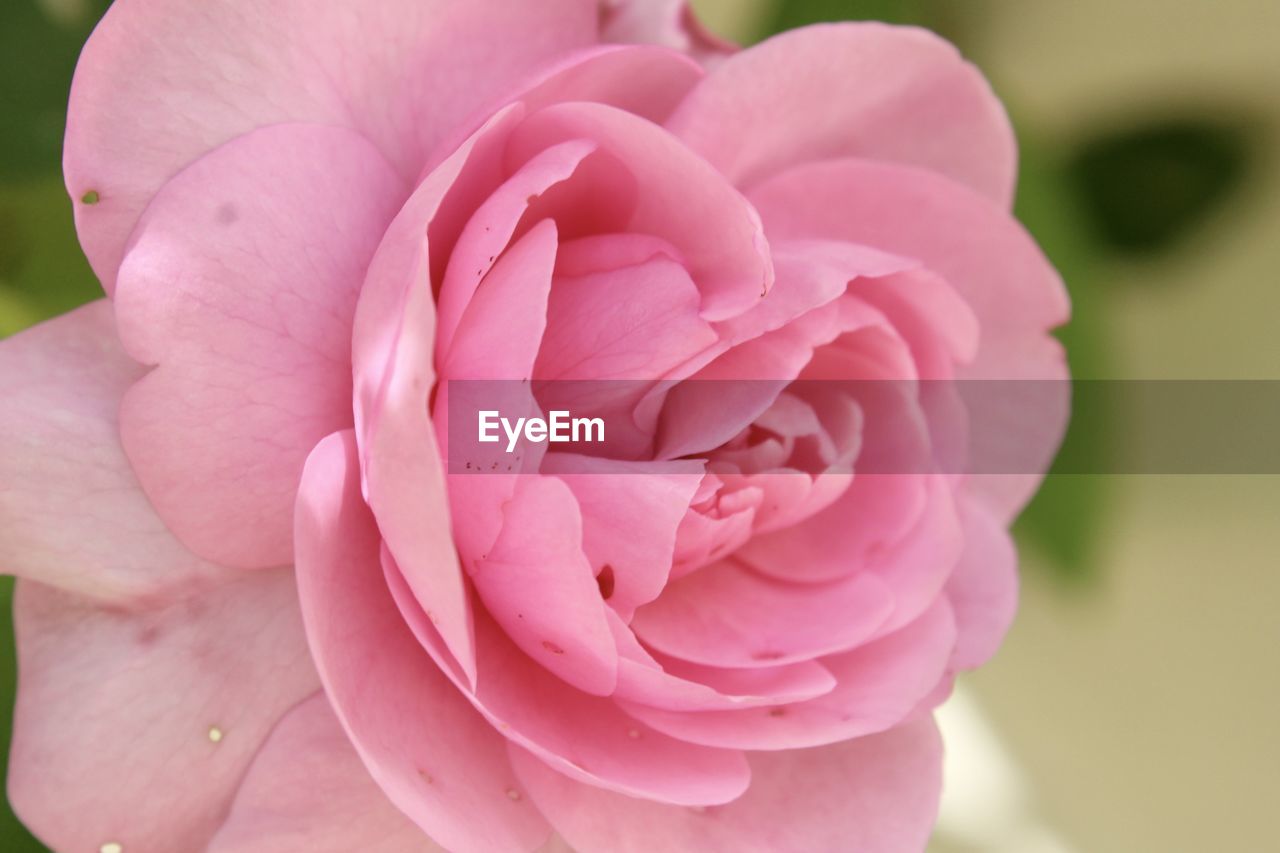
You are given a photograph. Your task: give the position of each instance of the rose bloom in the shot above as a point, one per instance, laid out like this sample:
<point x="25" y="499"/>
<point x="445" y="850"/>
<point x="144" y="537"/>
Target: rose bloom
<point x="258" y="611"/>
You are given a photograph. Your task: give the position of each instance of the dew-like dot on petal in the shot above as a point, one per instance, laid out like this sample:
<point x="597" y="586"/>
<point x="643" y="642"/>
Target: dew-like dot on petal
<point x="634" y="734"/>
<point x="111" y="847"/>
<point x="513" y="795"/>
<point x="215" y="734"/>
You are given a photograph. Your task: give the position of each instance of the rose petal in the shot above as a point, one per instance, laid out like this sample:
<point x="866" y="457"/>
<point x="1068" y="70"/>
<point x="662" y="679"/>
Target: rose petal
<point x="877" y="687"/>
<point x="877" y="794"/>
<point x="727" y="615"/>
<point x="983" y="589"/>
<point x="72" y="514"/>
<point x="585" y="736"/>
<point x="249" y="320"/>
<point x="674" y="195"/>
<point x="630" y="514"/>
<point x="537" y="584"/>
<point x="307" y="790"/>
<point x="211" y="72"/>
<point x="428" y="750"/>
<point x="851" y="90"/>
<point x="136" y="728"/>
<point x="969" y="241"/>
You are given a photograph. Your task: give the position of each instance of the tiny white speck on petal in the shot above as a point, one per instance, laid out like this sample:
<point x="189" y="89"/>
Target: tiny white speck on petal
<point x="111" y="847"/>
<point x="215" y="734"/>
<point x="513" y="795"/>
<point x="633" y="733"/>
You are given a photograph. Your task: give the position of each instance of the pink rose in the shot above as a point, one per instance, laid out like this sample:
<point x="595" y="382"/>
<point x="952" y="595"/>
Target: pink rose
<point x="263" y="609"/>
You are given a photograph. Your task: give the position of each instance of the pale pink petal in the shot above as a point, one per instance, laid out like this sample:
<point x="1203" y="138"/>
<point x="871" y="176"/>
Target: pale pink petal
<point x="851" y="90"/>
<point x="877" y="687"/>
<point x="434" y="756"/>
<point x="249" y="318"/>
<point x="135" y="728"/>
<point x="672" y="194"/>
<point x="983" y="590"/>
<point x="72" y="514"/>
<point x="877" y="794"/>
<point x="537" y="584"/>
<point x="307" y="790"/>
<point x="212" y="71"/>
<point x="727" y="615"/>
<point x="969" y="241"/>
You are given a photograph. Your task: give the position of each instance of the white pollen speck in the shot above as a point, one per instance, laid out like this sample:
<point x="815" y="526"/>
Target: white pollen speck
<point x="215" y="734"/>
<point x="634" y="734"/>
<point x="513" y="795"/>
<point x="111" y="847"/>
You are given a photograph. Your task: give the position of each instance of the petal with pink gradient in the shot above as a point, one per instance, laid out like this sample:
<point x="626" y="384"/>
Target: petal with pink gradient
<point x="213" y="71"/>
<point x="676" y="685"/>
<point x="437" y="759"/>
<point x="135" y="727"/>
<point x="307" y="790"/>
<point x="585" y="736"/>
<point x="537" y="584"/>
<point x="490" y="231"/>
<point x="72" y="514"/>
<point x="729" y="616"/>
<point x="248" y="317"/>
<point x="972" y="243"/>
<point x="630" y="514"/>
<point x="649" y="183"/>
<point x="394" y="372"/>
<point x="877" y="794"/>
<point x="983" y="590"/>
<point x="877" y="686"/>
<point x="851" y="90"/>
<point x="632" y="322"/>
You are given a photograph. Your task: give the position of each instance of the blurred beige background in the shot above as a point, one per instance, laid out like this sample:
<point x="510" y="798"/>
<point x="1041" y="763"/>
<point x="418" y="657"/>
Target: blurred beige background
<point x="1142" y="713"/>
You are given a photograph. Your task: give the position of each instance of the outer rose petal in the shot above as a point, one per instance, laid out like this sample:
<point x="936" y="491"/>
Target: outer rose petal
<point x="249" y="317"/>
<point x="851" y="90"/>
<point x="113" y="729"/>
<point x="434" y="756"/>
<point x="71" y="511"/>
<point x="877" y="794"/>
<point x="983" y="590"/>
<point x="402" y="72"/>
<point x="878" y="685"/>
<point x="307" y="790"/>
<point x="974" y="244"/>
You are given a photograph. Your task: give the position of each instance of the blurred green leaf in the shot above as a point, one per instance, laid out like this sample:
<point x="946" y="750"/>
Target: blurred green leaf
<point x="937" y="15"/>
<point x="1146" y="187"/>
<point x="14" y="837"/>
<point x="42" y="270"/>
<point x="39" y="45"/>
<point x="1064" y="518"/>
